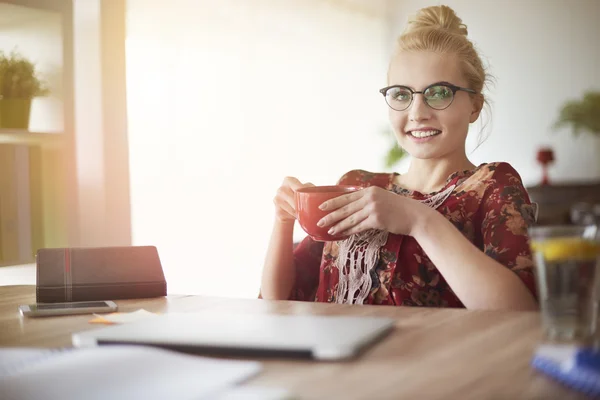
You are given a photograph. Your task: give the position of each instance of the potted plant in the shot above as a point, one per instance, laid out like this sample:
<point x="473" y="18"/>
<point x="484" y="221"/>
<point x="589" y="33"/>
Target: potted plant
<point x="582" y="115"/>
<point x="395" y="153"/>
<point x="19" y="84"/>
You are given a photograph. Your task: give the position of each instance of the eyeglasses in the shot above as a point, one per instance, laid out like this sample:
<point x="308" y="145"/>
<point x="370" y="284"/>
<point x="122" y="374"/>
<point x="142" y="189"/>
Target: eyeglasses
<point x="438" y="96"/>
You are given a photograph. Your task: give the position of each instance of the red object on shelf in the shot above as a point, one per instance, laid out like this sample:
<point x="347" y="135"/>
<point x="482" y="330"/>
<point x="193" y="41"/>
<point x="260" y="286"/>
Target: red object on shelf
<point x="545" y="157"/>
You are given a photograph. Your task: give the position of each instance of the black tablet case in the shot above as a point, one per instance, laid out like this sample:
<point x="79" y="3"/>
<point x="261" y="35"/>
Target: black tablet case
<point x="98" y="273"/>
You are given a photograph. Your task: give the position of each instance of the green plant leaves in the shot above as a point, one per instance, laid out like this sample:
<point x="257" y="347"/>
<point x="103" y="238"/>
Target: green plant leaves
<point x="582" y="115"/>
<point x="19" y="78"/>
<point x="394" y="155"/>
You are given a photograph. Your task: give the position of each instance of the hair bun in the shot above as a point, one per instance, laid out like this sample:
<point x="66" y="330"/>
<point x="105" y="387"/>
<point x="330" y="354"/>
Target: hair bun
<point x="437" y="17"/>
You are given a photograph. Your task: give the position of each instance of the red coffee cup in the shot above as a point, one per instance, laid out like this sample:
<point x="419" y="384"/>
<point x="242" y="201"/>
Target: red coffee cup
<point x="309" y="199"/>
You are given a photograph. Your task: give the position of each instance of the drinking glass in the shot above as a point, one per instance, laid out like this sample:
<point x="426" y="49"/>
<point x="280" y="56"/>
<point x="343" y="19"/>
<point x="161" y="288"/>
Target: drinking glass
<point x="567" y="270"/>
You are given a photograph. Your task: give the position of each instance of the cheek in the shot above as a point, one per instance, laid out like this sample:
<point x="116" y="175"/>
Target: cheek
<point x="457" y="120"/>
<point x="397" y="120"/>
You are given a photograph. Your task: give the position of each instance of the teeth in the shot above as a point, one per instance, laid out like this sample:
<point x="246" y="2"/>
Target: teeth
<point x="422" y="134"/>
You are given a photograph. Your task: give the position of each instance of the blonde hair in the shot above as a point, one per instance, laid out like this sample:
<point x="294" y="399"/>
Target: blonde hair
<point x="440" y="30"/>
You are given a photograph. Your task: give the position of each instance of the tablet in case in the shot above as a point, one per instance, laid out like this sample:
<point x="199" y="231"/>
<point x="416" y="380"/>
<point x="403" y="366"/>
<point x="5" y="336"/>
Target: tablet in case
<point x="98" y="273"/>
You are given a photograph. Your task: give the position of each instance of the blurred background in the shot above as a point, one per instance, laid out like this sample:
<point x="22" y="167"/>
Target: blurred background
<point x="173" y="123"/>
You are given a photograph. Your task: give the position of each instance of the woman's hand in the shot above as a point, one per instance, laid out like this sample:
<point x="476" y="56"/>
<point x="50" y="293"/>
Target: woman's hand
<point x="372" y="208"/>
<point x="285" y="199"/>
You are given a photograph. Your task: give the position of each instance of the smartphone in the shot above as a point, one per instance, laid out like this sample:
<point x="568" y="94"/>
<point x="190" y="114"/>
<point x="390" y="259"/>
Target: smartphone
<point x="77" y="307"/>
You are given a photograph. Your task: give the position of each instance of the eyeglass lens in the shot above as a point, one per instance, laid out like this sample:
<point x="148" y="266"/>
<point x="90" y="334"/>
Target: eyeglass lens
<point x="437" y="97"/>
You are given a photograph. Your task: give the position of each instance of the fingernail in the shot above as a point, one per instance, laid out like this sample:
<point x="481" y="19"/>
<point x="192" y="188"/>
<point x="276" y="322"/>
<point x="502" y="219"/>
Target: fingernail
<point x="331" y="231"/>
<point x="323" y="206"/>
<point x="321" y="223"/>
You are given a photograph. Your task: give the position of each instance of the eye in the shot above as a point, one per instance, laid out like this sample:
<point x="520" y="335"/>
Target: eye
<point x="438" y="92"/>
<point x="399" y="94"/>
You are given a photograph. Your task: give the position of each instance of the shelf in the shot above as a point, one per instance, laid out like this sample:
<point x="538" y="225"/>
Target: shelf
<point x="17" y="263"/>
<point x="37" y="174"/>
<point x="24" y="137"/>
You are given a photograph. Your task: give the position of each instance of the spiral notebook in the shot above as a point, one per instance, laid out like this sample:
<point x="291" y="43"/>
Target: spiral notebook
<point x="575" y="367"/>
<point x="120" y="372"/>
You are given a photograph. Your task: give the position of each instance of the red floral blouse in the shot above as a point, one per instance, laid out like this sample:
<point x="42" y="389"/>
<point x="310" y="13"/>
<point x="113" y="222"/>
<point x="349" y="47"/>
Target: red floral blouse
<point x="489" y="205"/>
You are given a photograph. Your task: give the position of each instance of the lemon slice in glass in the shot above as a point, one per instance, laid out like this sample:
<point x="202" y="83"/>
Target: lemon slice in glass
<point x="561" y="249"/>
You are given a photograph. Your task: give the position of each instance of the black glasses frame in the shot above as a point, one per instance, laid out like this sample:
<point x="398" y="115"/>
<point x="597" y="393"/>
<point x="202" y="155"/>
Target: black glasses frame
<point x="452" y="87"/>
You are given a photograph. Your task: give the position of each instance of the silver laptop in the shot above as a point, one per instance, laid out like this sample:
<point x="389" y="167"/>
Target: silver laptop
<point x="319" y="337"/>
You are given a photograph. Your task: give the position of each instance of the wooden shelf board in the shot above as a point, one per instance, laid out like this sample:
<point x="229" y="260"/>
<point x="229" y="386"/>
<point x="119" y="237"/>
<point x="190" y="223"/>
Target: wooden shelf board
<point x="21" y="136"/>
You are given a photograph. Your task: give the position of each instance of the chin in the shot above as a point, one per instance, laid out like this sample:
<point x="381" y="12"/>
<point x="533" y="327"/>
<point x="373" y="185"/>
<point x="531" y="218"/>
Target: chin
<point x="424" y="155"/>
<point x="420" y="152"/>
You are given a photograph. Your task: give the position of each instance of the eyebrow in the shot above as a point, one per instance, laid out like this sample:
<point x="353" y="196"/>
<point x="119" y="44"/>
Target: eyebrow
<point x="431" y="84"/>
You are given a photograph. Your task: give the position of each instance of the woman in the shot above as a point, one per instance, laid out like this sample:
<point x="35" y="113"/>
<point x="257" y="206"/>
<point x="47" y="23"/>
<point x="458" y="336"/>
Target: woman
<point x="445" y="234"/>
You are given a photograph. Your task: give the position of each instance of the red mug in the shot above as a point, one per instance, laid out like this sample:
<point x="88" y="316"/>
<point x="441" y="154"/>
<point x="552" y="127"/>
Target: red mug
<point x="309" y="199"/>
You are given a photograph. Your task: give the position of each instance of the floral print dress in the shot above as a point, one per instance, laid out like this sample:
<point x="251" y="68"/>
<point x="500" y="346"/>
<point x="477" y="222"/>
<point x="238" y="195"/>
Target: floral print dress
<point x="489" y="205"/>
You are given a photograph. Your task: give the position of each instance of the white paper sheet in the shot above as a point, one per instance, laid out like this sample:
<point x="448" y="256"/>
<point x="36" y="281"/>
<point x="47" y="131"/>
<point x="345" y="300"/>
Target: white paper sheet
<point x="117" y="372"/>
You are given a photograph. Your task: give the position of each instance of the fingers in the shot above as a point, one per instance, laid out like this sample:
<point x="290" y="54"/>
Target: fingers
<point x="345" y="211"/>
<point x="284" y="200"/>
<point x="291" y="182"/>
<point x="353" y="224"/>
<point x="284" y="210"/>
<point x="341" y="201"/>
<point x="350" y="213"/>
<point x="360" y="227"/>
<point x="285" y="192"/>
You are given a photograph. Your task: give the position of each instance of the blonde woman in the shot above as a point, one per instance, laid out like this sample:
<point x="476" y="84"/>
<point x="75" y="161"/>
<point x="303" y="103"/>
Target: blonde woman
<point x="445" y="234"/>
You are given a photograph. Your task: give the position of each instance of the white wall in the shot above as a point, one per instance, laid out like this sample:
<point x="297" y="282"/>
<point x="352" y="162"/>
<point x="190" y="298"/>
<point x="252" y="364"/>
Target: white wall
<point x="542" y="52"/>
<point x="89" y="127"/>
<point x="101" y="123"/>
<point x="228" y="97"/>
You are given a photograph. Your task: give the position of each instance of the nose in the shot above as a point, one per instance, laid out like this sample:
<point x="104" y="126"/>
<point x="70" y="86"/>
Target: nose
<point x="419" y="110"/>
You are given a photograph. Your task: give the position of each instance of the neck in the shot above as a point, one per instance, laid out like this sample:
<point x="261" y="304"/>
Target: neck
<point x="429" y="175"/>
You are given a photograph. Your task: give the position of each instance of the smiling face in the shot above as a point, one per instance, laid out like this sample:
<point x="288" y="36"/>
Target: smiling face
<point x="422" y="131"/>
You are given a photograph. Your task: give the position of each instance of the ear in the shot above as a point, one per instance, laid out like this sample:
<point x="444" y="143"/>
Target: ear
<point x="477" y="102"/>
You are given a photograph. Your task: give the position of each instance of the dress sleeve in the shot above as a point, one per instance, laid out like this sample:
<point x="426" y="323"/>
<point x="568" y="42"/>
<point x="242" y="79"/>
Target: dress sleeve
<point x="507" y="213"/>
<point x="307" y="260"/>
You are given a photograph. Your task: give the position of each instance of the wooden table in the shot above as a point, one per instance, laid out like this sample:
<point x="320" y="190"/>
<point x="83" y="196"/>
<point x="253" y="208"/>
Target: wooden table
<point x="432" y="353"/>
